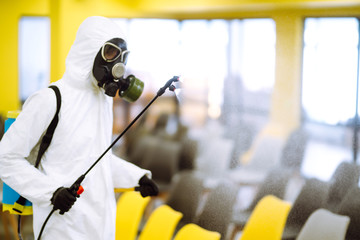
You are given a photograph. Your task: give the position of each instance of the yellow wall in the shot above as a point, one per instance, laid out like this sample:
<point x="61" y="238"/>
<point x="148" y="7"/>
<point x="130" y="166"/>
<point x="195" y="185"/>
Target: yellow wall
<point x="10" y="13"/>
<point x="66" y="16"/>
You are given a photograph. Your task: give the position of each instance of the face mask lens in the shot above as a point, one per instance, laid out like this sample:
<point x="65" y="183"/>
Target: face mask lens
<point x="110" y="52"/>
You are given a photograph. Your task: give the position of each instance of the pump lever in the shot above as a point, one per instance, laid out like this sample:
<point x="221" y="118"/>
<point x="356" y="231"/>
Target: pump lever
<point x="76" y="189"/>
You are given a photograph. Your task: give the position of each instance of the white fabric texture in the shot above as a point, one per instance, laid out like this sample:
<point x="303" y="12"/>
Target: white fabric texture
<point x="83" y="133"/>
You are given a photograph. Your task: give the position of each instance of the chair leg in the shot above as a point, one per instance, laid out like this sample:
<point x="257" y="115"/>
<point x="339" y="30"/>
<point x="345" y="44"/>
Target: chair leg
<point x="234" y="231"/>
<point x="14" y="225"/>
<point x="9" y="222"/>
<point x="5" y="225"/>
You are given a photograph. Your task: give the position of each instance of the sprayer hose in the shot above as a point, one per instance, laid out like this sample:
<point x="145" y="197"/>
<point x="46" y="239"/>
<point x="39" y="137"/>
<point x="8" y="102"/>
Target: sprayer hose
<point x="43" y="226"/>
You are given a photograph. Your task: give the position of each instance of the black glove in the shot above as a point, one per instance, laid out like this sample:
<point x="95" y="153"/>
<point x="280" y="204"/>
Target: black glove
<point x="63" y="199"/>
<point x="147" y="187"/>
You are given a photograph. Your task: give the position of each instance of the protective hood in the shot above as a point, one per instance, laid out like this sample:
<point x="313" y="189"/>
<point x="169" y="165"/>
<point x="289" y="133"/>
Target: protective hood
<point x="90" y="37"/>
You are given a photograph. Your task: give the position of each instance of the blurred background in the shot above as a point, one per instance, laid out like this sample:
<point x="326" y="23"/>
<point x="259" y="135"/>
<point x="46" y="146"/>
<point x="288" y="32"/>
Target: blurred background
<point x="265" y="84"/>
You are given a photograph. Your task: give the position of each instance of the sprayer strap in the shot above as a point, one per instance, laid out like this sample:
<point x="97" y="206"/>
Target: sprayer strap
<point x="46" y="140"/>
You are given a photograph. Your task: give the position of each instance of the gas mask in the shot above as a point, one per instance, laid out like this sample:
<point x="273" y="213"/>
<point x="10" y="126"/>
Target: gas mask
<point x="109" y="69"/>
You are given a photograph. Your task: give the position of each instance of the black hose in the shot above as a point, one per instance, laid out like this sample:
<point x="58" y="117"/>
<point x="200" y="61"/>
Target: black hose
<point x="19" y="228"/>
<point x="44" y="224"/>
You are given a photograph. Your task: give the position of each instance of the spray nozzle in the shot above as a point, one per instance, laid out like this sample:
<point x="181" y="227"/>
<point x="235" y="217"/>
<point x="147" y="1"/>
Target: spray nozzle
<point x="172" y="88"/>
<point x="169" y="85"/>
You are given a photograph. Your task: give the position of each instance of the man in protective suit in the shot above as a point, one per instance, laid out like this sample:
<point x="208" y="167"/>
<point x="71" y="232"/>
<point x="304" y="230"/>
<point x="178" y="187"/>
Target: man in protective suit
<point x="83" y="132"/>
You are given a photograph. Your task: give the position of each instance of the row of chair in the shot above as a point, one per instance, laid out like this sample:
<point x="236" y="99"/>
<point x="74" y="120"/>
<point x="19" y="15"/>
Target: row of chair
<point x="322" y="195"/>
<point x="333" y="196"/>
<point x="160" y="225"/>
<point x="340" y="196"/>
<point x="267" y="221"/>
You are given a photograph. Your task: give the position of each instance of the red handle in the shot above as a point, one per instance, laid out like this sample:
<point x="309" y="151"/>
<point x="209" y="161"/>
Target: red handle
<point x="80" y="190"/>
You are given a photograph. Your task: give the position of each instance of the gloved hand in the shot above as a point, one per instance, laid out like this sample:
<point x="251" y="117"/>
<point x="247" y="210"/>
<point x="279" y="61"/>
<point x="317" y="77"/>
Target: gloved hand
<point x="147" y="187"/>
<point x="63" y="199"/>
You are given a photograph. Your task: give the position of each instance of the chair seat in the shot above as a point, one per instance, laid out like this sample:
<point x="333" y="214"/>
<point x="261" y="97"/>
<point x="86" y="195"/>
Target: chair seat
<point x="161" y="224"/>
<point x="192" y="231"/>
<point x="129" y="212"/>
<point x="324" y="225"/>
<point x="268" y="219"/>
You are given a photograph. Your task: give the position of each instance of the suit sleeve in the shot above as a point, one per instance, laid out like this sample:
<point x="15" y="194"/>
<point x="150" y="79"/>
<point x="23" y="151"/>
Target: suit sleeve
<point x="126" y="174"/>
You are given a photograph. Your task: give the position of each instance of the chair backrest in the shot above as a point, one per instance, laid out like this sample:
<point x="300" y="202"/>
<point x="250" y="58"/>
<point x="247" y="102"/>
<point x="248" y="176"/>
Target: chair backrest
<point x="192" y="231"/>
<point x="274" y="184"/>
<point x="142" y="147"/>
<point x="161" y="224"/>
<point x="267" y="221"/>
<point x="324" y="225"/>
<point x="129" y="212"/>
<point x="163" y="160"/>
<point x="350" y="206"/>
<point x="243" y="135"/>
<point x="267" y="153"/>
<point x="294" y="150"/>
<point x="161" y="122"/>
<point x="215" y="158"/>
<point x="217" y="211"/>
<point x="185" y="194"/>
<point x="188" y="154"/>
<point x="311" y="197"/>
<point x="345" y="176"/>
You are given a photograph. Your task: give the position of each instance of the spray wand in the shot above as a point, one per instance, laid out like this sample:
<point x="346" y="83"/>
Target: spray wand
<point x="76" y="187"/>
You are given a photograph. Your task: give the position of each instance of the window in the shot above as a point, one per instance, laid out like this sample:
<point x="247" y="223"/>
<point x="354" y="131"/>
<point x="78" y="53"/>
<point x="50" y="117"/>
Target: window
<point x="330" y="69"/>
<point x="251" y="73"/>
<point x="329" y="93"/>
<point x="34" y="54"/>
<point x="218" y="60"/>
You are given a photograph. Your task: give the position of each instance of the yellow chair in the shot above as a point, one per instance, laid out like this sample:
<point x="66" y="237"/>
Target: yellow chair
<point x="129" y="211"/>
<point x="161" y="224"/>
<point x="192" y="231"/>
<point x="268" y="219"/>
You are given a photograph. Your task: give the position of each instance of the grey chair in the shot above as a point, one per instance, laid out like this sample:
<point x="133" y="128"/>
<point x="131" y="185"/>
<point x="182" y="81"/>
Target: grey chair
<point x="274" y="184"/>
<point x="134" y="134"/>
<point x="188" y="154"/>
<point x="217" y="211"/>
<point x="324" y="225"/>
<point x="267" y="153"/>
<point x="311" y="198"/>
<point x="350" y="206"/>
<point x="185" y="195"/>
<point x="243" y="135"/>
<point x="163" y="162"/>
<point x="294" y="149"/>
<point x="143" y="146"/>
<point x="161" y="122"/>
<point x="264" y="158"/>
<point x="344" y="177"/>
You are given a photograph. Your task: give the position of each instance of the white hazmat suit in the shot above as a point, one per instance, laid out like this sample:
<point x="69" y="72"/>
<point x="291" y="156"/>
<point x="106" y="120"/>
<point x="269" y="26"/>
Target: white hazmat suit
<point x="83" y="133"/>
